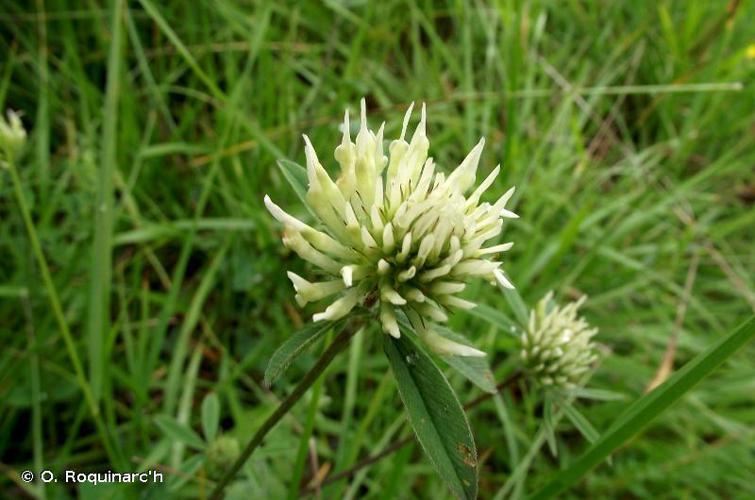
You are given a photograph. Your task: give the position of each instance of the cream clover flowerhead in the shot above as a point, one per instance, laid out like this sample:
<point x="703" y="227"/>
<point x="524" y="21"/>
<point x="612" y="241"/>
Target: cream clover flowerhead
<point x="396" y="236"/>
<point x="557" y="347"/>
<point x="12" y="136"/>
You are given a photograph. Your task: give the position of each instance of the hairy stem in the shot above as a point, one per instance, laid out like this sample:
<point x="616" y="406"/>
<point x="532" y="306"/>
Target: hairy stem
<point x="338" y="344"/>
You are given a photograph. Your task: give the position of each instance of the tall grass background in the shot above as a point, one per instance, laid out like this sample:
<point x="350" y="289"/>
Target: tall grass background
<point x="155" y="127"/>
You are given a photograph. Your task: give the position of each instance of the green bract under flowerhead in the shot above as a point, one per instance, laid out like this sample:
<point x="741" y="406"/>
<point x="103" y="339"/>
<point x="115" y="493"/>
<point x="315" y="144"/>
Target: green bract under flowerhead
<point x="395" y="234"/>
<point x="557" y="349"/>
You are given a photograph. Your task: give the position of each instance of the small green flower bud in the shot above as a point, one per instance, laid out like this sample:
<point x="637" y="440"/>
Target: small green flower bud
<point x="221" y="454"/>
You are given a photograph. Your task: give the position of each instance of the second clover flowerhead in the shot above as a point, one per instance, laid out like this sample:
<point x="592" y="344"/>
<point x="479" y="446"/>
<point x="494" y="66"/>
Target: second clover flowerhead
<point x="557" y="347"/>
<point x="395" y="235"/>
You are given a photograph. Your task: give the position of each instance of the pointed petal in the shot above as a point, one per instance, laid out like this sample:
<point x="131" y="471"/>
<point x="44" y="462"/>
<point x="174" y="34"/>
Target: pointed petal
<point x="340" y="307"/>
<point x="388" y="320"/>
<point x="311" y="292"/>
<point x="502" y="279"/>
<point x="407" y="116"/>
<point x="464" y="176"/>
<point x="475" y="197"/>
<point x="445" y="346"/>
<point x="503" y="247"/>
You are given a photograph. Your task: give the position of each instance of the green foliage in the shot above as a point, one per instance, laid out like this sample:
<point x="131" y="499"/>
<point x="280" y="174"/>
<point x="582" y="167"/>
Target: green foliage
<point x="179" y="432"/>
<point x="296" y="176"/>
<point x="435" y="414"/>
<point x="624" y="125"/>
<point x="295" y="346"/>
<point x="474" y="368"/>
<point x="644" y="410"/>
<point x="210" y="416"/>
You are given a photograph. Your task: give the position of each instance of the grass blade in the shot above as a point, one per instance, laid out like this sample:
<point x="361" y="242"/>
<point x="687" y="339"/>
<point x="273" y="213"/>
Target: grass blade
<point x="644" y="410"/>
<point x="158" y="18"/>
<point x="99" y="291"/>
<point x="42" y="128"/>
<point x="174" y="381"/>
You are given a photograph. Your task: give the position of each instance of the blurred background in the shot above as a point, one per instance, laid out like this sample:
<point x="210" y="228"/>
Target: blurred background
<point x="154" y="130"/>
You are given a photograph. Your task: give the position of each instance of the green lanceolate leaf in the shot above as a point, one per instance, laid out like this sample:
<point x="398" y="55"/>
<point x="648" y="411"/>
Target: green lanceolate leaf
<point x="517" y="305"/>
<point x="549" y="424"/>
<point x="473" y="368"/>
<point x="179" y="432"/>
<point x="580" y="422"/>
<point x="497" y="319"/>
<point x="293" y="347"/>
<point x="596" y="394"/>
<point x="644" y="410"/>
<point x="436" y="415"/>
<point x="296" y="176"/>
<point x="210" y="416"/>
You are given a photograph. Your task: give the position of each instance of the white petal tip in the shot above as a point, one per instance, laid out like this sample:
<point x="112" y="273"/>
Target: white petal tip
<point x="276" y="211"/>
<point x="347" y="275"/>
<point x="503" y="280"/>
<point x="447" y="347"/>
<point x="471" y="352"/>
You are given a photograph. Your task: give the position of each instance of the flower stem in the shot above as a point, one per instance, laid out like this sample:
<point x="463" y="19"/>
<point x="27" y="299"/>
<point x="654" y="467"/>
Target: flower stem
<point x="338" y="344"/>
